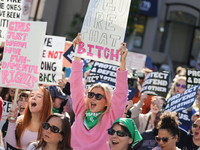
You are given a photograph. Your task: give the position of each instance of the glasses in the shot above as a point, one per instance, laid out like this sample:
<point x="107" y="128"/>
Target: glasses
<point x="164" y="139"/>
<point x="119" y="132"/>
<point x="97" y="96"/>
<point x="179" y="85"/>
<point x="195" y="126"/>
<point x="53" y="129"/>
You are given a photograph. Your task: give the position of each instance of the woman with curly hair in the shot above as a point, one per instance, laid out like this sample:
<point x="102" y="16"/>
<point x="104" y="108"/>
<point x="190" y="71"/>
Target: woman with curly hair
<point x="168" y="132"/>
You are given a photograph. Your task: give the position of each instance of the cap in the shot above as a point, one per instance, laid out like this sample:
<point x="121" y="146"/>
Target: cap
<point x="57" y="92"/>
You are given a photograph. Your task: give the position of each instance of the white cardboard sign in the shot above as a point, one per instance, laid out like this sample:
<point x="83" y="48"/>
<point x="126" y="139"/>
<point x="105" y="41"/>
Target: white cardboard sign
<point x="22" y="54"/>
<point x="52" y="60"/>
<point x="103" y="30"/>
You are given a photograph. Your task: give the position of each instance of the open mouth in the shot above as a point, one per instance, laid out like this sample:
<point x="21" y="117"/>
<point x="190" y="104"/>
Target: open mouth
<point x="196" y="133"/>
<point x="114" y="142"/>
<point x="21" y="108"/>
<point x="33" y="104"/>
<point x="93" y="105"/>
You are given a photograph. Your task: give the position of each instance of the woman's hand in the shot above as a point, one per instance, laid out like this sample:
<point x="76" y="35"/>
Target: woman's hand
<point x="76" y="42"/>
<point x="143" y="97"/>
<point x="12" y="115"/>
<point x="123" y="52"/>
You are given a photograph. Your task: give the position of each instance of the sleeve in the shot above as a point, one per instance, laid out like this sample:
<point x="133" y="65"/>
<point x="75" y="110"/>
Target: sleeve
<point x="77" y="87"/>
<point x="66" y="89"/>
<point x="10" y="136"/>
<point x="31" y="146"/>
<point x="119" y="98"/>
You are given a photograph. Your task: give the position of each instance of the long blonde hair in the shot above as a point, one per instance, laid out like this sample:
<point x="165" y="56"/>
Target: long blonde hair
<point x="108" y="93"/>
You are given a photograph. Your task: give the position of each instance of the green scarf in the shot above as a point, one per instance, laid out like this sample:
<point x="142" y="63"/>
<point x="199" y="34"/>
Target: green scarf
<point x="91" y="119"/>
<point x="55" y="110"/>
<point x="130" y="124"/>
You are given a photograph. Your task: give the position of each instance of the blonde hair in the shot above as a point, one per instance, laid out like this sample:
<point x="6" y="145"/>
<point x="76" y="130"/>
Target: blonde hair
<point x="108" y="94"/>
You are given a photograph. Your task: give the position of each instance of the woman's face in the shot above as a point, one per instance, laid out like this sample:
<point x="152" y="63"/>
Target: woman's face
<point x="196" y="131"/>
<point x="57" y="103"/>
<point x="22" y="104"/>
<point x="97" y="105"/>
<point x="51" y="137"/>
<point x="12" y="92"/>
<point x="36" y="101"/>
<point x="119" y="143"/>
<point x="155" y="105"/>
<point x="171" y="142"/>
<point x="180" y="87"/>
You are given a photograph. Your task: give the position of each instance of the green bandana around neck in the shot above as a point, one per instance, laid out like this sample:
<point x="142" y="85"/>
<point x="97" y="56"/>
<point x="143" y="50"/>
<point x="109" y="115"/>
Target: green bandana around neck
<point x="130" y="124"/>
<point x="91" y="119"/>
<point x="55" y="110"/>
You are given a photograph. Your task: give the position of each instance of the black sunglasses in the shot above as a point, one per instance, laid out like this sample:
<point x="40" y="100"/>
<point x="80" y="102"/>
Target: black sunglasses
<point x="97" y="96"/>
<point x="183" y="86"/>
<point x="195" y="126"/>
<point x="119" y="132"/>
<point x="164" y="139"/>
<point x="53" y="129"/>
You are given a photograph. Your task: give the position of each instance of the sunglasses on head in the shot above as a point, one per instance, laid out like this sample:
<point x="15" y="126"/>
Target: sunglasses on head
<point x="119" y="132"/>
<point x="53" y="129"/>
<point x="179" y="85"/>
<point x="164" y="139"/>
<point x="195" y="126"/>
<point x="97" y="96"/>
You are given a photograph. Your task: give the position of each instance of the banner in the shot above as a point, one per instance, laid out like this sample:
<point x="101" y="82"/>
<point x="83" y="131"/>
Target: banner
<point x="103" y="30"/>
<point x="52" y="59"/>
<point x="9" y="10"/>
<point x="6" y="108"/>
<point x="156" y="82"/>
<point x="193" y="77"/>
<point x="22" y="55"/>
<point x="136" y="61"/>
<point x="179" y="102"/>
<point x="107" y="72"/>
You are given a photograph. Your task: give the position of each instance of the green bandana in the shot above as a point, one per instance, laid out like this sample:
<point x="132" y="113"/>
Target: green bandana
<point x="130" y="124"/>
<point x="91" y="119"/>
<point x="55" y="110"/>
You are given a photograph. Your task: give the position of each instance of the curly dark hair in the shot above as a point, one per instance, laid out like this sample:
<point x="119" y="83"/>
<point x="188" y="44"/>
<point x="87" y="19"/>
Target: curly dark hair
<point x="169" y="121"/>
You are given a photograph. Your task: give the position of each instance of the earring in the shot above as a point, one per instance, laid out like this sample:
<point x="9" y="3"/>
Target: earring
<point x="60" y="141"/>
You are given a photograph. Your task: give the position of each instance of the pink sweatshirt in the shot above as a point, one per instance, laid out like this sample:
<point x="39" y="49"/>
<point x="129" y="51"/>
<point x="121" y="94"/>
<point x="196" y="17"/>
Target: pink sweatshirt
<point x="26" y="137"/>
<point x="97" y="137"/>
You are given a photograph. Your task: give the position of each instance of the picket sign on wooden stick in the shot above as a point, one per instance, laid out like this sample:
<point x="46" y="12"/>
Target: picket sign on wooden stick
<point x="14" y="104"/>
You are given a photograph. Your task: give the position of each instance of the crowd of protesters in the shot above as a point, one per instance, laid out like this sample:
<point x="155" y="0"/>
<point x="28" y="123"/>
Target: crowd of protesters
<point x="68" y="116"/>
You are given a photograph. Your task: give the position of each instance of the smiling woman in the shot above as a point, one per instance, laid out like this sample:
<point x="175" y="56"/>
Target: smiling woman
<point x="28" y="127"/>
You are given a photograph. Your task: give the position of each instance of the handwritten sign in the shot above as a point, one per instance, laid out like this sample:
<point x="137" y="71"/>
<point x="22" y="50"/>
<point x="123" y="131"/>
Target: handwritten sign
<point x="103" y="30"/>
<point x="6" y="108"/>
<point x="193" y="77"/>
<point x="135" y="60"/>
<point x="22" y="54"/>
<point x="179" y="102"/>
<point x="9" y="10"/>
<point x="52" y="59"/>
<point x="156" y="82"/>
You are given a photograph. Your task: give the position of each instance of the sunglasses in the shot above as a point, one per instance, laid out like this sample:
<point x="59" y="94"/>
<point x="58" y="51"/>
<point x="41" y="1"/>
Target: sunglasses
<point x="179" y="85"/>
<point x="195" y="126"/>
<point x="53" y="129"/>
<point x="119" y="133"/>
<point x="164" y="139"/>
<point x="97" y="96"/>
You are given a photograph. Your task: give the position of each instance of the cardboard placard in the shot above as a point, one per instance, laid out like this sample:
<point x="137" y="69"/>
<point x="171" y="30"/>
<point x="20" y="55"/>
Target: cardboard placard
<point x="193" y="77"/>
<point x="103" y="30"/>
<point x="6" y="108"/>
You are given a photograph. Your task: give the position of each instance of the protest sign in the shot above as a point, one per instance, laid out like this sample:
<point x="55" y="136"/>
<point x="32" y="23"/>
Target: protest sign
<point x="6" y="107"/>
<point x="22" y="54"/>
<point x="52" y="59"/>
<point x="156" y="82"/>
<point x="107" y="72"/>
<point x="193" y="77"/>
<point x="103" y="30"/>
<point x="9" y="10"/>
<point x="179" y="102"/>
<point x="26" y="9"/>
<point x="135" y="60"/>
<point x="198" y="62"/>
<point x="67" y="59"/>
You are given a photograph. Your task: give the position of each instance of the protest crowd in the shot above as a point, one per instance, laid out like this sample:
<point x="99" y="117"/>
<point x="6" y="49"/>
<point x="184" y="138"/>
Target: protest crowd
<point x="102" y="105"/>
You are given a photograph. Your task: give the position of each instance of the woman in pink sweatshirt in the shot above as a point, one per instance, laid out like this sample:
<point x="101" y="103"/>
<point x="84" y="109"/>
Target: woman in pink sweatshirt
<point x="96" y="112"/>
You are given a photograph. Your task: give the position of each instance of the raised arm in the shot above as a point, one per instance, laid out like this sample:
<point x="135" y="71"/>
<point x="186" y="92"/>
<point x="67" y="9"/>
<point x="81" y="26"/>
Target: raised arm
<point x="76" y="43"/>
<point x="123" y="52"/>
